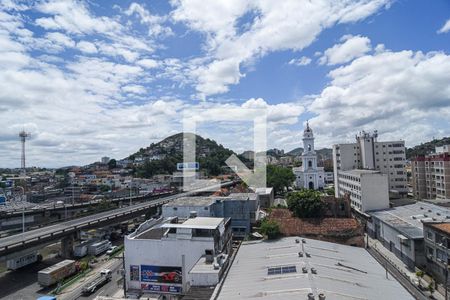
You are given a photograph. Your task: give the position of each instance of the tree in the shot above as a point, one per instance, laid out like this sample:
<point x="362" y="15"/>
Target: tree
<point x="419" y="275"/>
<point x="306" y="204"/>
<point x="279" y="178"/>
<point x="112" y="164"/>
<point x="270" y="228"/>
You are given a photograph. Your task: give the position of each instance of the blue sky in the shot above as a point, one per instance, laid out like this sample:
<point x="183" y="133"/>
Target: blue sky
<point x="95" y="78"/>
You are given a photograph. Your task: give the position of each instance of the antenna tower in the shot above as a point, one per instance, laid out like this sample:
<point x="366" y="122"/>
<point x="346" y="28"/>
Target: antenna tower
<point x="23" y="136"/>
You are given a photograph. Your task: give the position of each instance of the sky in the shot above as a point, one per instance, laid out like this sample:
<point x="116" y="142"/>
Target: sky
<point x="104" y="78"/>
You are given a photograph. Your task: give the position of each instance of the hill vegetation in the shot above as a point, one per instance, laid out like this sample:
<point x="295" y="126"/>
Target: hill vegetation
<point x="162" y="157"/>
<point x="426" y="148"/>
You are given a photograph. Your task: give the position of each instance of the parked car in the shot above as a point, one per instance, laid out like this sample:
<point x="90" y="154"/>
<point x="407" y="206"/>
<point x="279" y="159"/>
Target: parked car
<point x="111" y="250"/>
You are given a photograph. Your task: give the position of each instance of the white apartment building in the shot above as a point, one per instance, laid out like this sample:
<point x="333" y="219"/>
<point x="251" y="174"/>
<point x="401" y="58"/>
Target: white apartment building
<point x="367" y="189"/>
<point x="166" y="257"/>
<point x="369" y="154"/>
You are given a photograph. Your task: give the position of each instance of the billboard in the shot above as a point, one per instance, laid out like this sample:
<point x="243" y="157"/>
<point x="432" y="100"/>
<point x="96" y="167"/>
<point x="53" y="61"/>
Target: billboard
<point x="188" y="166"/>
<point x="161" y="288"/>
<point x="161" y="274"/>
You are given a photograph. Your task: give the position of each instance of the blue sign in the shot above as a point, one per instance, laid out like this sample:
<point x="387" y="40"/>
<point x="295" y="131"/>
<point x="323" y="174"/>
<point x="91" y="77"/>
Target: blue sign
<point x="2" y="200"/>
<point x="188" y="166"/>
<point x="161" y="274"/>
<point x="161" y="288"/>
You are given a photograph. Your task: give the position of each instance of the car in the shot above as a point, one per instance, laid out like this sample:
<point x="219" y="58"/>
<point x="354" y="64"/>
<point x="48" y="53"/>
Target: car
<point x="111" y="250"/>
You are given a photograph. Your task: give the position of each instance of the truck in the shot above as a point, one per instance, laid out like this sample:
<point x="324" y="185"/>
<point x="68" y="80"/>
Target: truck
<point x="81" y="249"/>
<point x="57" y="272"/>
<point x="103" y="278"/>
<point x="22" y="261"/>
<point x="99" y="247"/>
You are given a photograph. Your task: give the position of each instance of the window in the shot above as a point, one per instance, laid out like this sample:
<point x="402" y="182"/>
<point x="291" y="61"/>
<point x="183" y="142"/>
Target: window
<point x="440" y="254"/>
<point x="281" y="270"/>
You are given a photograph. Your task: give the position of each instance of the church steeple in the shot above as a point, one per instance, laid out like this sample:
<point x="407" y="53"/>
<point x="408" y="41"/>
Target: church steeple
<point x="308" y="139"/>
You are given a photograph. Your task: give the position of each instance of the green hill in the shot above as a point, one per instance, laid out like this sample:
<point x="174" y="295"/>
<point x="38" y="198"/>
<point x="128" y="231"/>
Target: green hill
<point x="426" y="148"/>
<point x="162" y="157"/>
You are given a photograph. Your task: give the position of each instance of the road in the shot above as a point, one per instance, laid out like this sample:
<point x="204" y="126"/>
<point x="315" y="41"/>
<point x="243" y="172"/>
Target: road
<point x="36" y="236"/>
<point x="414" y="291"/>
<point x="108" y="289"/>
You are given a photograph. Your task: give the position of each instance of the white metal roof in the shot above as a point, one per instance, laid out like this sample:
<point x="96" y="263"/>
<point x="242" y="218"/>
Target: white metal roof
<point x="198" y="222"/>
<point x="343" y="272"/>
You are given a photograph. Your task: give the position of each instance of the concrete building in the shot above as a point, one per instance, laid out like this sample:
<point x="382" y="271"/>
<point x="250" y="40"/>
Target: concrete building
<point x="167" y="257"/>
<point x="309" y="175"/>
<point x="400" y="229"/>
<point x="296" y="268"/>
<point x="431" y="175"/>
<point x="329" y="177"/>
<point x="367" y="153"/>
<point x="105" y="159"/>
<point x="367" y="189"/>
<point x="242" y="208"/>
<point x="437" y="248"/>
<point x="266" y="197"/>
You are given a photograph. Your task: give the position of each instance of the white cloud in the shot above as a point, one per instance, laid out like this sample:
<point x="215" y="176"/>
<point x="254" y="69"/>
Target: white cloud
<point x="350" y="48"/>
<point x="153" y="21"/>
<point x="278" y="26"/>
<point x="302" y="61"/>
<point x="86" y="47"/>
<point x="405" y="95"/>
<point x="73" y="17"/>
<point x="148" y="63"/>
<point x="134" y="89"/>
<point x="60" y="39"/>
<point x="445" y="28"/>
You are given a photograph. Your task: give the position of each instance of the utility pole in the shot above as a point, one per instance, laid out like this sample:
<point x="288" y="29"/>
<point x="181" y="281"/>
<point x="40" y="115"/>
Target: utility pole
<point x="124" y="276"/>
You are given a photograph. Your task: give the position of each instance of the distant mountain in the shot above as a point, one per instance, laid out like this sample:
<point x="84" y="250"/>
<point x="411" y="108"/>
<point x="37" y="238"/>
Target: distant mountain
<point x="296" y="152"/>
<point x="322" y="154"/>
<point x="426" y="148"/>
<point x="162" y="157"/>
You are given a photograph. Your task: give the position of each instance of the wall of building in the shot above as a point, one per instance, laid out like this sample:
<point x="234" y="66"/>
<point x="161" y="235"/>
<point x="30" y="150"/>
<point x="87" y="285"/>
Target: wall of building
<point x="389" y="236"/>
<point x="183" y="212"/>
<point x="374" y="192"/>
<point x="166" y="252"/>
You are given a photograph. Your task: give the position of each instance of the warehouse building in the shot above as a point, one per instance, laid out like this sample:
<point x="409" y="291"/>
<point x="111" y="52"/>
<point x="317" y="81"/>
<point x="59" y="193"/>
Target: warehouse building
<point x="295" y="268"/>
<point x="400" y="229"/>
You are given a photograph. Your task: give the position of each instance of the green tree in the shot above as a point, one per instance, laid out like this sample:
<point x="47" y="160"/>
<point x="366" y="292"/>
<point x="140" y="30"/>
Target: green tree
<point x="306" y="204"/>
<point x="270" y="228"/>
<point x="112" y="164"/>
<point x="279" y="178"/>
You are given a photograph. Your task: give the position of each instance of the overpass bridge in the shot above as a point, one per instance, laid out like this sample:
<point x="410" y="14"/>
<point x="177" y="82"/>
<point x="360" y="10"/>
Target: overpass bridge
<point x="65" y="231"/>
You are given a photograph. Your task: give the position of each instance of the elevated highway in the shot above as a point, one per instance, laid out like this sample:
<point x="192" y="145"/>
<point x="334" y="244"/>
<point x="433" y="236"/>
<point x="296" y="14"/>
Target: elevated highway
<point x="45" y="235"/>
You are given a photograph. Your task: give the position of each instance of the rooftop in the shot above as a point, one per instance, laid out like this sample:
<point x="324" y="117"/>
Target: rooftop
<point x="359" y="172"/>
<point x="408" y="219"/>
<point x="190" y="201"/>
<point x="157" y="230"/>
<point x="203" y="222"/>
<point x="274" y="270"/>
<point x="444" y="227"/>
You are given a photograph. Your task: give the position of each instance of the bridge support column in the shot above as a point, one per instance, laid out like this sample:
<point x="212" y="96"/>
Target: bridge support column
<point x="67" y="246"/>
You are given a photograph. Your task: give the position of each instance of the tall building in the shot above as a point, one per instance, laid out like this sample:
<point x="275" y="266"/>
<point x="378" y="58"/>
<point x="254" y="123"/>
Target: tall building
<point x="431" y="175"/>
<point x="369" y="154"/>
<point x="309" y="176"/>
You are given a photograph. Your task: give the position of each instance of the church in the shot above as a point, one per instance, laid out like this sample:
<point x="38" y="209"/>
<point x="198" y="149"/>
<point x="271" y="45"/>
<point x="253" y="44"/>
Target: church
<point x="309" y="176"/>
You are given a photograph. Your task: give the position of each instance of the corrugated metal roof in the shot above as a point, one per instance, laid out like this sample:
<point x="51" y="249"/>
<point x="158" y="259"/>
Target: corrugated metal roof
<point x="408" y="219"/>
<point x="343" y="272"/>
